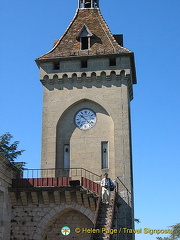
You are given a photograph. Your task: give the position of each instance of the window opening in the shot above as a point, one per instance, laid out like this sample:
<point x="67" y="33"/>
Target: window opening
<point x="81" y="4"/>
<point x="84" y="43"/>
<point x="66" y="157"/>
<point x="85" y="38"/>
<point x="56" y="65"/>
<point x="88" y="3"/>
<point x="104" y="153"/>
<point x="96" y="5"/>
<point x="112" y="62"/>
<point x="84" y="63"/>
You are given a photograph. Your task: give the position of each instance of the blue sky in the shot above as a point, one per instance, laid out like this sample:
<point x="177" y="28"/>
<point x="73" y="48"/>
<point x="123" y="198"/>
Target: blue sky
<point x="151" y="29"/>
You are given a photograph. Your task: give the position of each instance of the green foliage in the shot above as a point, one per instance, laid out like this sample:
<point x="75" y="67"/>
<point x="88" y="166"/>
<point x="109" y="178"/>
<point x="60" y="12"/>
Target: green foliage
<point x="175" y="235"/>
<point x="176" y="232"/>
<point x="9" y="150"/>
<point x="20" y="165"/>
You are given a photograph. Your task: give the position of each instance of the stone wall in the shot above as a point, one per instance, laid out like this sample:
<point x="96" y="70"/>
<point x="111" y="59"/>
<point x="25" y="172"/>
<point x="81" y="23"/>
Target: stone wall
<point x="43" y="221"/>
<point x="40" y="213"/>
<point x="123" y="218"/>
<point x="107" y="92"/>
<point x="7" y="172"/>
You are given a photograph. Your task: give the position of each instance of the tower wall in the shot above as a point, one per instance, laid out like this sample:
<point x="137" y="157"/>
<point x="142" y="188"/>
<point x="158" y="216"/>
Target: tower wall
<point x="104" y="89"/>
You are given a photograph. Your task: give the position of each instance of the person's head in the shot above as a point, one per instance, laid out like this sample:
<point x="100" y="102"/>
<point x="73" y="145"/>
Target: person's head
<point x="106" y="175"/>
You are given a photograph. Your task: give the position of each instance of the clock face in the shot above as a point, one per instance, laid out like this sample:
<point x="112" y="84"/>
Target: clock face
<point x="85" y="119"/>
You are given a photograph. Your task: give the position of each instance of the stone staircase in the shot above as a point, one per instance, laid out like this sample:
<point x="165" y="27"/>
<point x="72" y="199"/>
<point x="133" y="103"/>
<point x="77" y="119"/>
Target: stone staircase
<point x="104" y="219"/>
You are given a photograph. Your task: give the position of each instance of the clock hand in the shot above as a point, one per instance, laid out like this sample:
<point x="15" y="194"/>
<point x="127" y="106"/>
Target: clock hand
<point x="86" y="120"/>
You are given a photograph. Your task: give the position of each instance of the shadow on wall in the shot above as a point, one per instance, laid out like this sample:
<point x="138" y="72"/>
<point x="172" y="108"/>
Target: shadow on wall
<point x="83" y="144"/>
<point x="124" y="219"/>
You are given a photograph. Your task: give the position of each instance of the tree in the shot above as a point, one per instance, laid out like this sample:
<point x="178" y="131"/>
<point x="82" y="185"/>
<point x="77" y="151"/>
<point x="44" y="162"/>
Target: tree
<point x="176" y="232"/>
<point x="175" y="235"/>
<point x="9" y="150"/>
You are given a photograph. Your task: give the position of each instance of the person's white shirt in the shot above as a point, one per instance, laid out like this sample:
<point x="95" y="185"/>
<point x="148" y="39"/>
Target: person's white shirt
<point x="106" y="182"/>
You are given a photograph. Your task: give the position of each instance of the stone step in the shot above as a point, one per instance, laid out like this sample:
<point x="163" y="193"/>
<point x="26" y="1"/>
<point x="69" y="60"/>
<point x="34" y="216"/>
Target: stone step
<point x="104" y="220"/>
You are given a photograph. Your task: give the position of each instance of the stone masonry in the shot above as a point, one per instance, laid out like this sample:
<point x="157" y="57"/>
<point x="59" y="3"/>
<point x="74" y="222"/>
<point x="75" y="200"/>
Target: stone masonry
<point x="40" y="213"/>
<point x="7" y="172"/>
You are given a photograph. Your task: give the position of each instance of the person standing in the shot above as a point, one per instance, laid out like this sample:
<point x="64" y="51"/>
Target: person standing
<point x="106" y="183"/>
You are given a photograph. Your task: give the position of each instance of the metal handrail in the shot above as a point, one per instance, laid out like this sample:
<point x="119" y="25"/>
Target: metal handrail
<point x="65" y="169"/>
<point x="60" y="172"/>
<point x="127" y="198"/>
<point x="123" y="184"/>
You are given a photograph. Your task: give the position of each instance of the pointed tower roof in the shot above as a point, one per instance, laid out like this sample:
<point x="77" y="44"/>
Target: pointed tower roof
<point x="86" y="21"/>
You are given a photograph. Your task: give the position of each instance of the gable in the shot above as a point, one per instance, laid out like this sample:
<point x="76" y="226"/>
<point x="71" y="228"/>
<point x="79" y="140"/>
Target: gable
<point x="84" y="32"/>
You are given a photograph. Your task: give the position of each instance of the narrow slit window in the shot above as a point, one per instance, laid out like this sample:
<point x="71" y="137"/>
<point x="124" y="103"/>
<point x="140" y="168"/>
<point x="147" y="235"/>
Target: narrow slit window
<point x="66" y="157"/>
<point x="104" y="153"/>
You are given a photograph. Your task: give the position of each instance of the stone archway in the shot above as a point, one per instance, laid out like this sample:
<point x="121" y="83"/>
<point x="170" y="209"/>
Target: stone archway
<point x="57" y="212"/>
<point x="71" y="218"/>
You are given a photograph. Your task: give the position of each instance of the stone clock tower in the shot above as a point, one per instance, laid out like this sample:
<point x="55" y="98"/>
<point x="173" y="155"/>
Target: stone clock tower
<point x="88" y="79"/>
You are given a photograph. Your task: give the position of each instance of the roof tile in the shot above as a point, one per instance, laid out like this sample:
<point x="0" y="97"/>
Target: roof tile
<point x="102" y="41"/>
